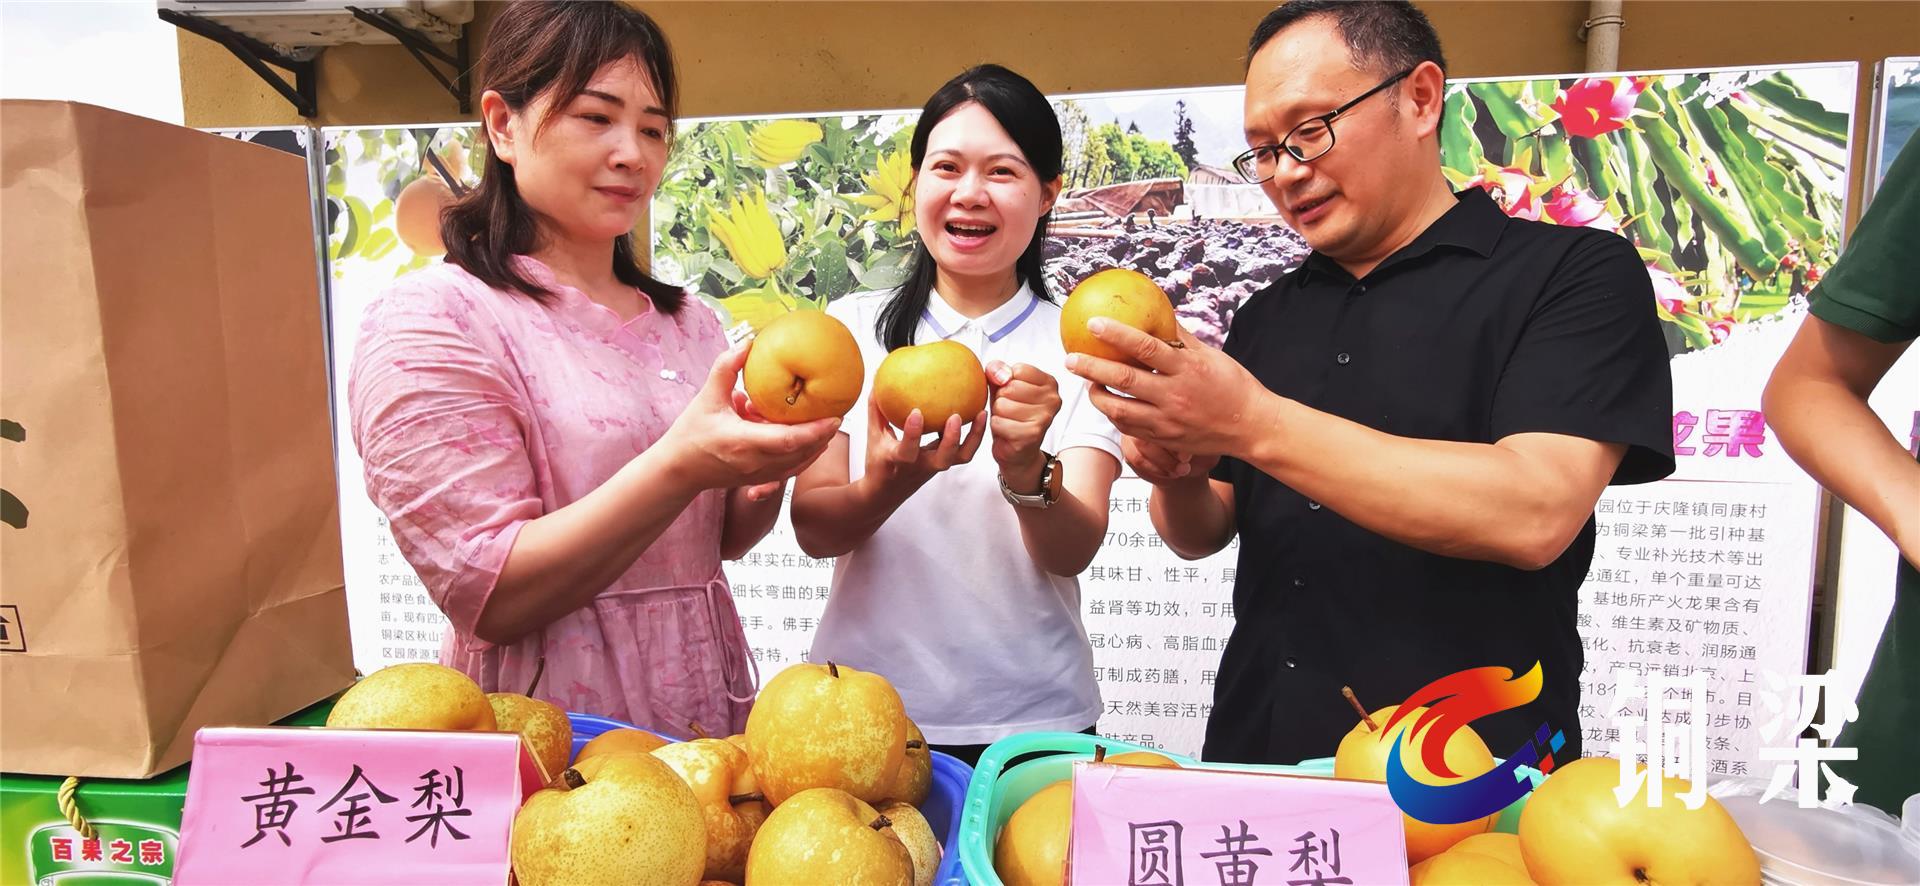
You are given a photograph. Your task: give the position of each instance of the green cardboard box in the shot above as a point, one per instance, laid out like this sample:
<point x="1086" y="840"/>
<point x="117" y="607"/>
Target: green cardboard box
<point x="137" y="825"/>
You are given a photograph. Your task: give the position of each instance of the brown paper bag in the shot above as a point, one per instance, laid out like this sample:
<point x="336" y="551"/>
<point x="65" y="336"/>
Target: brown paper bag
<point x="171" y="552"/>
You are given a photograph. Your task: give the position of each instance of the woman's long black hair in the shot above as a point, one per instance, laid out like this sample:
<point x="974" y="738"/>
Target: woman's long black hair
<point x="1028" y="117"/>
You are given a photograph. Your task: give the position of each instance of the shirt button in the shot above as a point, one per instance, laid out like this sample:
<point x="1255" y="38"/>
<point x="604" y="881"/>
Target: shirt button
<point x="1343" y="358"/>
<point x="1291" y="663"/>
<point x="1313" y="506"/>
<point x="1299" y="582"/>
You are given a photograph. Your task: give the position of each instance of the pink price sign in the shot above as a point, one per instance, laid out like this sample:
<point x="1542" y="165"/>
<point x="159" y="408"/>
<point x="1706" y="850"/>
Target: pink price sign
<point x="1146" y="826"/>
<point x="290" y="805"/>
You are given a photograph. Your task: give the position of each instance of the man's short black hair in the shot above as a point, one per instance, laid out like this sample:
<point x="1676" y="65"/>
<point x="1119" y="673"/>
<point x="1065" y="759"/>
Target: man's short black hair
<point x="1382" y="36"/>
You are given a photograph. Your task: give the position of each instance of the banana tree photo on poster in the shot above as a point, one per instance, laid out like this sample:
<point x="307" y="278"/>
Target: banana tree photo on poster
<point x="762" y="217"/>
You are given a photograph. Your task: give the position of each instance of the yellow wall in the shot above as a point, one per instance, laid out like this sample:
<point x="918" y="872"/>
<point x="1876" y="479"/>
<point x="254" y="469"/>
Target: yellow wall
<point x="770" y="57"/>
<point x="747" y="58"/>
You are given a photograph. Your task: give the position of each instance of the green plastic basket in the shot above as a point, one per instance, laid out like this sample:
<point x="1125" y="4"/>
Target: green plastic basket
<point x="996" y="791"/>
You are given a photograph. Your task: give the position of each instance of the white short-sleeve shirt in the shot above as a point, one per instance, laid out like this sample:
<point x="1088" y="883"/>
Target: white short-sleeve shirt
<point x="943" y="599"/>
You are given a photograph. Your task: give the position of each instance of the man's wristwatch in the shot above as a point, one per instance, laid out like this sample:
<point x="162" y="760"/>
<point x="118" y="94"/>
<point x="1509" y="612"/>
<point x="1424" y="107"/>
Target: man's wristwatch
<point x="1050" y="483"/>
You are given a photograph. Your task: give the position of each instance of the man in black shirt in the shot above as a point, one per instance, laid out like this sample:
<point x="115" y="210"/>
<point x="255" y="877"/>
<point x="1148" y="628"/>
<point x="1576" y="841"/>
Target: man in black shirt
<point x="1408" y="433"/>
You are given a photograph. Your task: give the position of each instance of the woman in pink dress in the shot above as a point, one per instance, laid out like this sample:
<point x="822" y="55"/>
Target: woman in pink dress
<point x="554" y="435"/>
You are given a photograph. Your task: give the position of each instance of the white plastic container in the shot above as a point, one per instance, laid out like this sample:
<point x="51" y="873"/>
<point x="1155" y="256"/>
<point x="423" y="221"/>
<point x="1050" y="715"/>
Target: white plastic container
<point x="1848" y="846"/>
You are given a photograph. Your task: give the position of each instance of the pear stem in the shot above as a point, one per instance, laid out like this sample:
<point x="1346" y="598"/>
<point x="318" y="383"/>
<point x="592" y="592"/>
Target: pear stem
<point x="1348" y="692"/>
<point x="570" y="780"/>
<point x="539" y="670"/>
<point x="698" y="730"/>
<point x="1099" y="753"/>
<point x="793" y="396"/>
<point x="755" y="797"/>
<point x="881" y="822"/>
<point x="1177" y="344"/>
<point x="833" y="669"/>
<point x="914" y="744"/>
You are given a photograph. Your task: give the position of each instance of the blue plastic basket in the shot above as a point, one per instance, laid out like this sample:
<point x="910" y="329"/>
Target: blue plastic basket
<point x="586" y="727"/>
<point x="996" y="791"/>
<point x="946" y="803"/>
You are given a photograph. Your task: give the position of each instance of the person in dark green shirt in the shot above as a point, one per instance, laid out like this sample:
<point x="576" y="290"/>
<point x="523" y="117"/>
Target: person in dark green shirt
<point x="1865" y="313"/>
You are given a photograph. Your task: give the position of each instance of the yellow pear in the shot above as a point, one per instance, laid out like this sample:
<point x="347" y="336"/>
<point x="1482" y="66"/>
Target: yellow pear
<point x="416" y="214"/>
<point x="1363" y="755"/>
<point x="916" y="833"/>
<point x="1494" y="844"/>
<point x="1032" y="848"/>
<point x="804" y="365"/>
<point x="415" y="695"/>
<point x="722" y="780"/>
<point x="823" y="836"/>
<point x="941" y="379"/>
<point x="827" y="726"/>
<point x="914" y="779"/>
<point x="621" y="741"/>
<point x="546" y="729"/>
<point x="1123" y="295"/>
<point x="1142" y="758"/>
<point x="1452" y="868"/>
<point x="615" y="819"/>
<point x="1574" y="830"/>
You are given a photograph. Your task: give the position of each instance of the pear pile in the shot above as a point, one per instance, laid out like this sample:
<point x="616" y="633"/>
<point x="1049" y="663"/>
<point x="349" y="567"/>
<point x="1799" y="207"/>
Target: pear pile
<point x="823" y="787"/>
<point x="420" y="695"/>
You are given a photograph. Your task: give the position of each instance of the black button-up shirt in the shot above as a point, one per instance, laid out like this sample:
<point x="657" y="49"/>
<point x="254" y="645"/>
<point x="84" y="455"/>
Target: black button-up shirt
<point x="1481" y="328"/>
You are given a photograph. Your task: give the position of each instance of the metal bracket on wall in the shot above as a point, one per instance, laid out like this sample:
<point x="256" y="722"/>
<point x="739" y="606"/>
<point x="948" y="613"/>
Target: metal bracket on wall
<point x="1614" y="20"/>
<point x="421" y="48"/>
<point x="304" y="93"/>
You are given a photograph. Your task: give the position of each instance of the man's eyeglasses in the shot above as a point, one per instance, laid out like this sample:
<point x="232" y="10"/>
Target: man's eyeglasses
<point x="1312" y="138"/>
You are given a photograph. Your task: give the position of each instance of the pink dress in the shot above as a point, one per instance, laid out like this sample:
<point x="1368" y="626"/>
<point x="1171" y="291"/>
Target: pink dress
<point x="477" y="410"/>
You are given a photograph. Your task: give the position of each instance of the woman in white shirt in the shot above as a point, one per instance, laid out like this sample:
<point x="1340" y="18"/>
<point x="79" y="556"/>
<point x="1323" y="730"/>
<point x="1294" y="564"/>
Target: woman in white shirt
<point x="955" y="576"/>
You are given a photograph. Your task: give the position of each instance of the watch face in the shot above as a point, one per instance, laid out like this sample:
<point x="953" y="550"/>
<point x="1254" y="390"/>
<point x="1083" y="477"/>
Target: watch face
<point x="1054" y="482"/>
